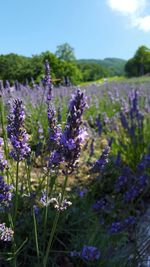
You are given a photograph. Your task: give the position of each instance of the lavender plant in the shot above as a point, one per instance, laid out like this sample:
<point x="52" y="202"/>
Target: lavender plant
<point x="41" y="217"/>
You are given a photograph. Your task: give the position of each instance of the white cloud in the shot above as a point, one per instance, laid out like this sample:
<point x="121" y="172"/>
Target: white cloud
<point x="134" y="10"/>
<point x="143" y="23"/>
<point x="127" y="7"/>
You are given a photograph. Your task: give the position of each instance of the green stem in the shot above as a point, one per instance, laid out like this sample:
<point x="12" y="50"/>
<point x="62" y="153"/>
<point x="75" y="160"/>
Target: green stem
<point x="16" y="193"/>
<point x="28" y="171"/>
<point x="48" y="195"/>
<point x="54" y="226"/>
<point x="64" y="187"/>
<point x="36" y="235"/>
<point x="51" y="238"/>
<point x="46" y="211"/>
<point x="13" y="241"/>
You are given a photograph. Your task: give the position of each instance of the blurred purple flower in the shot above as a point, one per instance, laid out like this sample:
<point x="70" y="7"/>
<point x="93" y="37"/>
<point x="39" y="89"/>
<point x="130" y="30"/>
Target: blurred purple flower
<point x="131" y="194"/>
<point x="5" y="194"/>
<point x="99" y="124"/>
<point x="131" y="220"/>
<point x="99" y="204"/>
<point x="102" y="161"/>
<point x="82" y="192"/>
<point x="90" y="253"/>
<point x="115" y="227"/>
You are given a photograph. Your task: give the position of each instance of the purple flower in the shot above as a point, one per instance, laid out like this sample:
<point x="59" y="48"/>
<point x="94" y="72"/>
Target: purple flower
<point x="121" y="181"/>
<point x="101" y="162"/>
<point x="99" y="204"/>
<point x="72" y="130"/>
<point x="68" y="144"/>
<point x="142" y="180"/>
<point x="124" y="121"/>
<point x="55" y="159"/>
<point x="130" y="221"/>
<point x="72" y="137"/>
<point x="90" y="253"/>
<point x="132" y="193"/>
<point x="44" y="199"/>
<point x="5" y="194"/>
<point x="115" y="227"/>
<point x="82" y="192"/>
<point x="99" y="124"/>
<point x="16" y="132"/>
<point x="55" y="131"/>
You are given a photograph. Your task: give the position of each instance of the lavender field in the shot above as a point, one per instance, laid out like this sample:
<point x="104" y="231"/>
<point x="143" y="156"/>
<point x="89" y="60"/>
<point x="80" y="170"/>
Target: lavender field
<point x="75" y="174"/>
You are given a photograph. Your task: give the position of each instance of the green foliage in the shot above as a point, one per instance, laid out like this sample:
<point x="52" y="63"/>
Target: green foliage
<point x="14" y="67"/>
<point x="65" y="52"/>
<point x="63" y="64"/>
<point x="139" y="64"/>
<point x="112" y="66"/>
<point x="92" y="72"/>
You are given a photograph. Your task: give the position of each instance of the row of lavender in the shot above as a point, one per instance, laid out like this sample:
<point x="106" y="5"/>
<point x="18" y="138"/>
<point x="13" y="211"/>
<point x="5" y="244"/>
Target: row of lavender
<point x="41" y="216"/>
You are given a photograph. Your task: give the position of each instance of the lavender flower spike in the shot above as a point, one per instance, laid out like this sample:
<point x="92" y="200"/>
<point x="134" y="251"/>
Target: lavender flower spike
<point x="102" y="161"/>
<point x="16" y="132"/>
<point x="73" y="136"/>
<point x="5" y="194"/>
<point x="71" y="139"/>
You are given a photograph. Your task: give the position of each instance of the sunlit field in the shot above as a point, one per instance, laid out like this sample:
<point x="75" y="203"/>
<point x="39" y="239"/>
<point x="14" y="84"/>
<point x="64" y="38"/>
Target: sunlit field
<point x="75" y="173"/>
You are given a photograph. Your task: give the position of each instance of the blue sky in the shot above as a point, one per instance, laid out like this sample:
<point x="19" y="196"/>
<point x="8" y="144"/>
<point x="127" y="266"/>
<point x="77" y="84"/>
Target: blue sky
<point x="94" y="28"/>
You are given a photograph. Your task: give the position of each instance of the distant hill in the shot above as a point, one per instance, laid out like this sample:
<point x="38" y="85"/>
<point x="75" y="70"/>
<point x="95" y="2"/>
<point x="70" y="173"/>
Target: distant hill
<point x="115" y="66"/>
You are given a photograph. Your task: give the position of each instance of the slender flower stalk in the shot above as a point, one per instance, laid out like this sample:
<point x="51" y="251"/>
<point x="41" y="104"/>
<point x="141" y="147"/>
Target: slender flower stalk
<point x="35" y="233"/>
<point x="69" y="151"/>
<point x="54" y="134"/>
<point x="54" y="225"/>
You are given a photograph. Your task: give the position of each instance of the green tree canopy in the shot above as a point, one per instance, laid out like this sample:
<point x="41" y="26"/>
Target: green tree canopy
<point x="140" y="63"/>
<point x="92" y="71"/>
<point x="65" y="52"/>
<point x="15" y="67"/>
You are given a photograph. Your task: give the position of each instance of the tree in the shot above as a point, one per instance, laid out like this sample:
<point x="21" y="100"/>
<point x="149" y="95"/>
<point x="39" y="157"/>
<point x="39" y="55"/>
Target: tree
<point x="65" y="52"/>
<point x="13" y="66"/>
<point x="92" y="71"/>
<point x="140" y="63"/>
